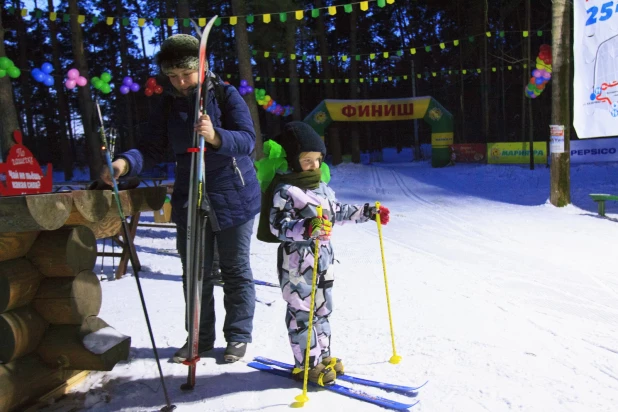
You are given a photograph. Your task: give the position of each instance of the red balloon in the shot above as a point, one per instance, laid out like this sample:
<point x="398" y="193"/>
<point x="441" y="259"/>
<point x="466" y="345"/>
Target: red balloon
<point x="151" y="83"/>
<point x="148" y="91"/>
<point x="158" y="89"/>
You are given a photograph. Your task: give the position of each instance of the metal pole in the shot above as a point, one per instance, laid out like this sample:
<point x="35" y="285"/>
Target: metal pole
<point x="417" y="147"/>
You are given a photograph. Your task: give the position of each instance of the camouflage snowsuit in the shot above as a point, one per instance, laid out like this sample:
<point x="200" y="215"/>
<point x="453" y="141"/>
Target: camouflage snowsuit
<point x="295" y="260"/>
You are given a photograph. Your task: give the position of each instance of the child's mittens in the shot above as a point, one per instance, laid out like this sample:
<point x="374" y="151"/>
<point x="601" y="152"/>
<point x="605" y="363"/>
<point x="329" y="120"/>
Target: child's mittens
<point x="318" y="228"/>
<point x="371" y="211"/>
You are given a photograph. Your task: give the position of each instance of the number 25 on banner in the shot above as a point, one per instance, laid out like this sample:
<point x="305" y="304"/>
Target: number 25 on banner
<point x="604" y="13"/>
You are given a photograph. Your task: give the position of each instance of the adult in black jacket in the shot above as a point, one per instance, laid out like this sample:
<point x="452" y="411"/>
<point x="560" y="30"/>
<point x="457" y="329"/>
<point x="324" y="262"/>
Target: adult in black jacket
<point x="231" y="185"/>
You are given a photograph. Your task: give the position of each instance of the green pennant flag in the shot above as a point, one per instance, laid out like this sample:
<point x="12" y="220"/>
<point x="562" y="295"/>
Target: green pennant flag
<point x="254" y="52"/>
<point x="501" y="33"/>
<point x="250" y="19"/>
<point x="66" y="18"/>
<point x="315" y="13"/>
<point x="539" y="33"/>
<point x="218" y="22"/>
<point x="283" y="17"/>
<point x="427" y="49"/>
<point x="157" y="22"/>
<point x="95" y="19"/>
<point x="381" y="3"/>
<point x="347" y="8"/>
<point x="11" y="10"/>
<point x="471" y="39"/>
<point x="357" y="57"/>
<point x="186" y="22"/>
<point x="38" y="13"/>
<point x="280" y="55"/>
<point x="125" y="21"/>
<point x="400" y="53"/>
<point x="304" y="57"/>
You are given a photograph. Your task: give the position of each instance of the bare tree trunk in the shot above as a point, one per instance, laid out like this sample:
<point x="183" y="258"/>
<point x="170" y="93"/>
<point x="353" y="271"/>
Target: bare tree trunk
<point x="85" y="100"/>
<point x="246" y="71"/>
<point x="67" y="158"/>
<point x="354" y="135"/>
<point x="294" y="85"/>
<point x="30" y="139"/>
<point x="334" y="143"/>
<point x="485" y="78"/>
<point x="183" y="13"/>
<point x="124" y="52"/>
<point x="8" y="114"/>
<point x="560" y="191"/>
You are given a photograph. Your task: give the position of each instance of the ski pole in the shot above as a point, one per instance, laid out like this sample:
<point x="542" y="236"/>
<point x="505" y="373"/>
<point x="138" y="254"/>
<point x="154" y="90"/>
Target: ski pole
<point x="395" y="359"/>
<point x="133" y="258"/>
<point x="302" y="398"/>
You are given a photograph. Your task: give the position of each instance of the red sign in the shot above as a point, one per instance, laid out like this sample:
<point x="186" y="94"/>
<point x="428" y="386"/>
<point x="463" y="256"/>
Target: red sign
<point x="468" y="153"/>
<point x="23" y="173"/>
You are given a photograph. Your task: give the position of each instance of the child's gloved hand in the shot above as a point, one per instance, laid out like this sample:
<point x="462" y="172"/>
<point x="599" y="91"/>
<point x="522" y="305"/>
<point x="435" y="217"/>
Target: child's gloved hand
<point x="318" y="228"/>
<point x="371" y="211"/>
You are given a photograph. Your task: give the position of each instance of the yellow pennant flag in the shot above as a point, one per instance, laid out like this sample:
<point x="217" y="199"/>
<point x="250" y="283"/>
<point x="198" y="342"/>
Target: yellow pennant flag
<point x="332" y="80"/>
<point x="413" y="51"/>
<point x="266" y="54"/>
<point x="257" y="79"/>
<point x="390" y="78"/>
<point x="385" y="54"/>
<point x="287" y="79"/>
<point x="332" y="10"/>
<point x="170" y="22"/>
<point x="53" y="16"/>
<point x="266" y="18"/>
<point x="318" y="58"/>
<point x="299" y="14"/>
<point x="233" y="20"/>
<point x="201" y="21"/>
<point x="81" y="19"/>
<point x="405" y="77"/>
<point x="510" y="67"/>
<point x="302" y="80"/>
<point x="442" y="46"/>
<point x="347" y="80"/>
<point x="317" y="80"/>
<point x="141" y="21"/>
<point x="109" y="21"/>
<point x="272" y="79"/>
<point x="292" y="56"/>
<point x="364" y="5"/>
<point x="344" y="58"/>
<point x="390" y="1"/>
<point x="372" y="56"/>
<point x="24" y="12"/>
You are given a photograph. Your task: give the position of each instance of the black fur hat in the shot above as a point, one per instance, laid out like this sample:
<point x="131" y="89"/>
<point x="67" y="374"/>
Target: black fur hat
<point x="179" y="51"/>
<point x="296" y="138"/>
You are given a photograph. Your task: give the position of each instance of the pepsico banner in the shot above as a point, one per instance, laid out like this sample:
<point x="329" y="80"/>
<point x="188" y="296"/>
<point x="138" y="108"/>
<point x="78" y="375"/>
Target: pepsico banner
<point x="516" y="153"/>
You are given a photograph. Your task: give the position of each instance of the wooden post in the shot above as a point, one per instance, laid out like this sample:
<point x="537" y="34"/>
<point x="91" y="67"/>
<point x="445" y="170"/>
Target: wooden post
<point x="64" y="252"/>
<point x="21" y="331"/>
<point x="15" y="244"/>
<point x="19" y="281"/>
<point x="69" y="300"/>
<point x="34" y="212"/>
<point x="90" y="346"/>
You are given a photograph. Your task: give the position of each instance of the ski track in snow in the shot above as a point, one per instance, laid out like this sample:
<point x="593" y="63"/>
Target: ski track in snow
<point x="502" y="302"/>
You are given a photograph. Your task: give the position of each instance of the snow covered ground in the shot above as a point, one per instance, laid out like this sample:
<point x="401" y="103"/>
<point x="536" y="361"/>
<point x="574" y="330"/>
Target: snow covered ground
<point x="500" y="300"/>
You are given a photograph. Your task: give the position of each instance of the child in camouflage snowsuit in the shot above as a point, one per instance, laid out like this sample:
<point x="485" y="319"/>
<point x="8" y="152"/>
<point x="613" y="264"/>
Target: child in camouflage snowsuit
<point x="292" y="217"/>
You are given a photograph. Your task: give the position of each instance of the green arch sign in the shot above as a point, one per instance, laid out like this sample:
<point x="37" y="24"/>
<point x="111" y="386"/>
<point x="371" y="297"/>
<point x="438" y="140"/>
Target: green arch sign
<point x="381" y="110"/>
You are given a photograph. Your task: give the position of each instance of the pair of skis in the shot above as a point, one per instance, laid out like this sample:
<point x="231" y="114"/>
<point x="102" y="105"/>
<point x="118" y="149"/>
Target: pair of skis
<point x="197" y="217"/>
<point x="285" y="370"/>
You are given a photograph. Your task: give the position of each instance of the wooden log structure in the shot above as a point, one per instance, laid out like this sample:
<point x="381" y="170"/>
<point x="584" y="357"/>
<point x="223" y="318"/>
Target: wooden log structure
<point x="21" y="331"/>
<point x="94" y="345"/>
<point x="24" y="380"/>
<point x="89" y="206"/>
<point x="19" y="281"/>
<point x="34" y="212"/>
<point x="15" y="244"/>
<point x="69" y="300"/>
<point x="64" y="252"/>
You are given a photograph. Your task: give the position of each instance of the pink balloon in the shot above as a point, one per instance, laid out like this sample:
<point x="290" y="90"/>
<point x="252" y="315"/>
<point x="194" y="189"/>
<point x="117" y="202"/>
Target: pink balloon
<point x="73" y="74"/>
<point x="81" y="81"/>
<point x="70" y="84"/>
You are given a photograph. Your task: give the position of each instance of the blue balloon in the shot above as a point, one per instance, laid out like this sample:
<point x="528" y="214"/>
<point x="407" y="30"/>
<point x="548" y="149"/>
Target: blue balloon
<point x="539" y="80"/>
<point x="48" y="81"/>
<point x="47" y="68"/>
<point x="35" y="73"/>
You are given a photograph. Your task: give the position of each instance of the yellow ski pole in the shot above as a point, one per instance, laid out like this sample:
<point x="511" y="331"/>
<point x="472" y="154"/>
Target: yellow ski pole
<point x="395" y="359"/>
<point x="302" y="398"/>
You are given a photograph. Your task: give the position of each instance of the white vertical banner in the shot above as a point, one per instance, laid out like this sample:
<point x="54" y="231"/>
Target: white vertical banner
<point x="556" y="138"/>
<point x="595" y="53"/>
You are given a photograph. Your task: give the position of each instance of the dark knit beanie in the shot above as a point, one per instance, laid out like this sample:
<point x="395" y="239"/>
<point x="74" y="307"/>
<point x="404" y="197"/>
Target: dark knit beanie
<point x="296" y="138"/>
<point x="179" y="51"/>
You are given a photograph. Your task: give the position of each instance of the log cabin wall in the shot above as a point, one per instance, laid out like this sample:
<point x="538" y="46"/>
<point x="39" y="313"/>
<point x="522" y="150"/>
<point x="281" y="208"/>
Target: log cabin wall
<point x="49" y="294"/>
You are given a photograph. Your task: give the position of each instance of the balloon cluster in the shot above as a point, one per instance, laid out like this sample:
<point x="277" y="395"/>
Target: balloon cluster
<point x="152" y="87"/>
<point x="541" y="74"/>
<point x="102" y="83"/>
<point x="245" y="88"/>
<point x="128" y="85"/>
<point x="74" y="79"/>
<point x="270" y="105"/>
<point x="8" y="67"/>
<point x="43" y="75"/>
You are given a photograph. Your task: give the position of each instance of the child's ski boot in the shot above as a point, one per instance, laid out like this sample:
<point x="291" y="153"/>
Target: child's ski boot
<point x="320" y="374"/>
<point x="334" y="363"/>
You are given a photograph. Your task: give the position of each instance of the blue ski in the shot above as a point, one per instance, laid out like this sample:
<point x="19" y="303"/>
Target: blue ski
<point x="264" y="283"/>
<point x="406" y="390"/>
<point x="343" y="390"/>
